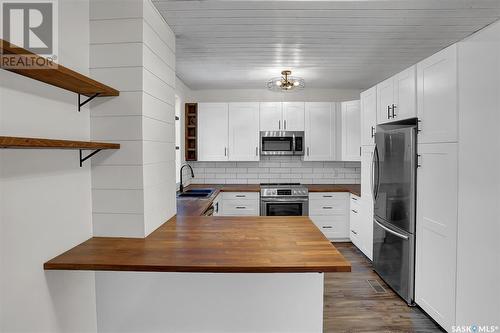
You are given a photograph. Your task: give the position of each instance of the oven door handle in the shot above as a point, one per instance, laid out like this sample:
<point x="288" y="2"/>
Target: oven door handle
<point x="277" y="199"/>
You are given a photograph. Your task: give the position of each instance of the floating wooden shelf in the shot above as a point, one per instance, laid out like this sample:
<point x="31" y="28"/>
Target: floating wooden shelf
<point x="191" y="131"/>
<point x="11" y="142"/>
<point x="38" y="143"/>
<point x="55" y="74"/>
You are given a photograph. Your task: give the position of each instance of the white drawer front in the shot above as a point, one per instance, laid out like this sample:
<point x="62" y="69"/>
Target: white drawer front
<point x="240" y="207"/>
<point x="333" y="227"/>
<point x="241" y="195"/>
<point x="328" y="196"/>
<point x="327" y="207"/>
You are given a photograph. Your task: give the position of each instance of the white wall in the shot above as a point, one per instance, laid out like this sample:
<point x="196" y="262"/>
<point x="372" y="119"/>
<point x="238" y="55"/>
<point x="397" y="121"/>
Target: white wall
<point x="478" y="266"/>
<point x="264" y="95"/>
<point x="46" y="197"/>
<point x="133" y="49"/>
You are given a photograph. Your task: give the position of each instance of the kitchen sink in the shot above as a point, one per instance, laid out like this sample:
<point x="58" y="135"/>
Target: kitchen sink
<point x="197" y="193"/>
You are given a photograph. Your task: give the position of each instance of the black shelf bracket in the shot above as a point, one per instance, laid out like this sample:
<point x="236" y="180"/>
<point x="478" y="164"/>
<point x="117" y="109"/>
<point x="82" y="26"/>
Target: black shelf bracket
<point x="80" y="103"/>
<point x="83" y="159"/>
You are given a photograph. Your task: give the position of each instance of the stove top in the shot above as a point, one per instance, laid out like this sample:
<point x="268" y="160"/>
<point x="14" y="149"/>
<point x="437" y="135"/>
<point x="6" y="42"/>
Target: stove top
<point x="283" y="190"/>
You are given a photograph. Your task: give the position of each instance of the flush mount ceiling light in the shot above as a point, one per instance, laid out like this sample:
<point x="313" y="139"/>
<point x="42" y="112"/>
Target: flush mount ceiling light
<point x="286" y="82"/>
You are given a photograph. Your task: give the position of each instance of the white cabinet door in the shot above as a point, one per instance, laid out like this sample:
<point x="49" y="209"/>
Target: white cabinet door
<point x="293" y="116"/>
<point x="437" y="95"/>
<point x="436" y="243"/>
<point x="368" y="116"/>
<point x="212" y="132"/>
<point x="366" y="216"/>
<point x="271" y="116"/>
<point x="320" y="132"/>
<point x="243" y="131"/>
<point x="351" y="131"/>
<point x="405" y="94"/>
<point x="385" y="99"/>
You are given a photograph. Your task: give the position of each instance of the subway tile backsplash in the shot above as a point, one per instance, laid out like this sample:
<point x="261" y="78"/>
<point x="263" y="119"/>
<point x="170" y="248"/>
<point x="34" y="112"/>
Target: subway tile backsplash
<point x="276" y="170"/>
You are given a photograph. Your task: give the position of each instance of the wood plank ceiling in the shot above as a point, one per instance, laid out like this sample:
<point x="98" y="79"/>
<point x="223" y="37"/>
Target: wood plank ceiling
<point x="332" y="44"/>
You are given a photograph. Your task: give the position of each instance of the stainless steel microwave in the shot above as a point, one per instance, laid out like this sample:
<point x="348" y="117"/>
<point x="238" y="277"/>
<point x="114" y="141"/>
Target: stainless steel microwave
<point x="281" y="143"/>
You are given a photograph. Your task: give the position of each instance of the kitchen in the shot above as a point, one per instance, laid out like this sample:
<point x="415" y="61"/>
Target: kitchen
<point x="243" y="166"/>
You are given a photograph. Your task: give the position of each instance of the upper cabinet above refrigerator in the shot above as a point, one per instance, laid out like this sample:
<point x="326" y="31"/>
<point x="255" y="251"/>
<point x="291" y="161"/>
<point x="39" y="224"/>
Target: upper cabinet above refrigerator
<point x="397" y="97"/>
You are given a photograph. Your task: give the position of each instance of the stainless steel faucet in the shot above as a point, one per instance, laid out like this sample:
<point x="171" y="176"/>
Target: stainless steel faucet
<point x="181" y="187"/>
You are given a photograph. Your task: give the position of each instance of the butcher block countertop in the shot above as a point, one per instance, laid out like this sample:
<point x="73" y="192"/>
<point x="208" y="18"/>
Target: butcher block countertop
<point x="196" y="207"/>
<point x="212" y="244"/>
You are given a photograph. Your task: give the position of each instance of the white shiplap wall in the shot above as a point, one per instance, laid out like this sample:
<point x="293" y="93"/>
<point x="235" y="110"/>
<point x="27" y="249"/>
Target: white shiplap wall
<point x="133" y="49"/>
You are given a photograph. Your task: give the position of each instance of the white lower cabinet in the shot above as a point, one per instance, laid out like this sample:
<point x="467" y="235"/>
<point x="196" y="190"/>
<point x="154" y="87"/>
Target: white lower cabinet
<point x="436" y="234"/>
<point x="354" y="221"/>
<point x="240" y="204"/>
<point x="329" y="212"/>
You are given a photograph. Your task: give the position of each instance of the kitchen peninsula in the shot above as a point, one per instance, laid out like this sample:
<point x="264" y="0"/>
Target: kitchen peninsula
<point x="166" y="282"/>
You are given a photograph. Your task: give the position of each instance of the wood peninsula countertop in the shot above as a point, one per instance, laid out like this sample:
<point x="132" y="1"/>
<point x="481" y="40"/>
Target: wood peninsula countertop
<point x="212" y="244"/>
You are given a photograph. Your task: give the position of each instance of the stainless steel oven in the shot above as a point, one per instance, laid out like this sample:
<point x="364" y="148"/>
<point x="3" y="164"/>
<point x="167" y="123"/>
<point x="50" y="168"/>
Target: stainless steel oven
<point x="281" y="143"/>
<point x="284" y="200"/>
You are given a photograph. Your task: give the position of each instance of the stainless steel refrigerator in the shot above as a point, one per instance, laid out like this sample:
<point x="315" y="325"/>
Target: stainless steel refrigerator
<point x="394" y="191"/>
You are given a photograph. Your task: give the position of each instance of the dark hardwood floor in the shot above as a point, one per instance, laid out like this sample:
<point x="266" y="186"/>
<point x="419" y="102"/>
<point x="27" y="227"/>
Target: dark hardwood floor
<point x="351" y="304"/>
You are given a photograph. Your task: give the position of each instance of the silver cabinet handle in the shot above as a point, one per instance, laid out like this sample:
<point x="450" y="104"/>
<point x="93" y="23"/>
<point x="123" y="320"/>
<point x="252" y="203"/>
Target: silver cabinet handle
<point x="284" y="122"/>
<point x="240" y="196"/>
<point x="394" y="106"/>
<point x="279" y="124"/>
<point x="328" y="207"/>
<point x="240" y="207"/>
<point x="354" y="211"/>
<point x="353" y="198"/>
<point x="354" y="232"/>
<point x="327" y="227"/>
<point x="328" y="196"/>
<point x="256" y="151"/>
<point x="388" y="112"/>
<point x="225" y="151"/>
<point x="373" y="131"/>
<point x="397" y="234"/>
<point x="307" y="151"/>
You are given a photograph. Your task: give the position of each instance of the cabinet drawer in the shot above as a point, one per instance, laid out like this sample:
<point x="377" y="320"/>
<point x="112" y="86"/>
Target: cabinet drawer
<point x="333" y="227"/>
<point x="240" y="207"/>
<point x="328" y="196"/>
<point x="327" y="207"/>
<point x="241" y="195"/>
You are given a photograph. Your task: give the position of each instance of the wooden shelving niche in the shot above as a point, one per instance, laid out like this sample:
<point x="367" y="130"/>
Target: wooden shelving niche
<point x="191" y="131"/>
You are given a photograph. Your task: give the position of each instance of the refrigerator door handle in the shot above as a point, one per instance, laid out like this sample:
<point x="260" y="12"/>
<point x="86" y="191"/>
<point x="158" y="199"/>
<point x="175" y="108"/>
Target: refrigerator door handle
<point x="391" y="231"/>
<point x="375" y="185"/>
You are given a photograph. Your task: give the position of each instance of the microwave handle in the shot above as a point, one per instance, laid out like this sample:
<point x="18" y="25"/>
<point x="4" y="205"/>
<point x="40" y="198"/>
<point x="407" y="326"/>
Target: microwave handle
<point x="293" y="144"/>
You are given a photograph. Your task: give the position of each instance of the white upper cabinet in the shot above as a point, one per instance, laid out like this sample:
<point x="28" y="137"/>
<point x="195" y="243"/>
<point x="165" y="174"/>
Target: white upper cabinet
<point x="293" y="116"/>
<point x="212" y="131"/>
<point x="271" y="116"/>
<point x="385" y="99"/>
<point x="368" y="116"/>
<point x="351" y="131"/>
<point x="437" y="91"/>
<point x="405" y="95"/>
<point x="396" y="97"/>
<point x="243" y="131"/>
<point x="320" y="132"/>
